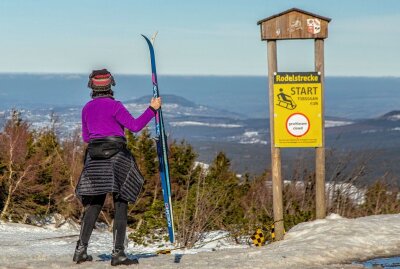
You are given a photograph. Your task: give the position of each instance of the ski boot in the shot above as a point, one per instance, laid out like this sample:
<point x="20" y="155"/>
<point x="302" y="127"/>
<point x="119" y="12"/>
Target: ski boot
<point x="80" y="254"/>
<point x="118" y="257"/>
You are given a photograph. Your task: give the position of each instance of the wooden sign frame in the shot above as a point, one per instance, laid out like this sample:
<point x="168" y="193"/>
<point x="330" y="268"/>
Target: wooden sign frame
<point x="288" y="25"/>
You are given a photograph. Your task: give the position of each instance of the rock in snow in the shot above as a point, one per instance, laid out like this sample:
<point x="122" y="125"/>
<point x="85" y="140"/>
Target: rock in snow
<point x="333" y="242"/>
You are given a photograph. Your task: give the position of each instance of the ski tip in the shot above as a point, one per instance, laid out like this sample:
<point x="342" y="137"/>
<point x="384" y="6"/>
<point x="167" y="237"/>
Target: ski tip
<point x="148" y="41"/>
<point x="152" y="39"/>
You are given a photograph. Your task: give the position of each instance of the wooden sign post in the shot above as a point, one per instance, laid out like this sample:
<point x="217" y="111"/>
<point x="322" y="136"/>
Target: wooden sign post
<point x="302" y="130"/>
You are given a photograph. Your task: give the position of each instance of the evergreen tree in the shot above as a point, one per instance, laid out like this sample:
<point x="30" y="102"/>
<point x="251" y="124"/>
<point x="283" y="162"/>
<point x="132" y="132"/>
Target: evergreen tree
<point x="147" y="213"/>
<point x="228" y="190"/>
<point x="183" y="172"/>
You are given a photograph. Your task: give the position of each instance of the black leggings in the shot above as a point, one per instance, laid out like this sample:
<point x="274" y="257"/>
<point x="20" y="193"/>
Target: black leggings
<point x="93" y="206"/>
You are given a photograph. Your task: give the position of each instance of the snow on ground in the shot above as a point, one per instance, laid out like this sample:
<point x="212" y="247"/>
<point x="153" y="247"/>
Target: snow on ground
<point x="336" y="123"/>
<point x="333" y="242"/>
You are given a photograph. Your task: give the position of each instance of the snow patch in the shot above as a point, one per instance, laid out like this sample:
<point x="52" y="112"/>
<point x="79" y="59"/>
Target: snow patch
<point x="351" y="191"/>
<point x="355" y="194"/>
<point x="316" y="244"/>
<point x="333" y="123"/>
<point x="250" y="134"/>
<point x="204" y="166"/>
<point x="252" y="137"/>
<point x="394" y="117"/>
<point x="334" y="216"/>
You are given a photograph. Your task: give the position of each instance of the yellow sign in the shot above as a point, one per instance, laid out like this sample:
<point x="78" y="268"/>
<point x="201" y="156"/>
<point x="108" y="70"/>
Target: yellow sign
<point x="297" y="110"/>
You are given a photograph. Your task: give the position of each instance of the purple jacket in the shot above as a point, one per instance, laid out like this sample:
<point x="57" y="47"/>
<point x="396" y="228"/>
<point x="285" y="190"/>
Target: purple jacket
<point x="105" y="116"/>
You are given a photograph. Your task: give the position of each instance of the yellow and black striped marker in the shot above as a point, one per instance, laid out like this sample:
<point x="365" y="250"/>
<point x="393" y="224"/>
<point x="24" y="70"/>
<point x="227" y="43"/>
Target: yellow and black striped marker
<point x="164" y="251"/>
<point x="273" y="232"/>
<point x="258" y="238"/>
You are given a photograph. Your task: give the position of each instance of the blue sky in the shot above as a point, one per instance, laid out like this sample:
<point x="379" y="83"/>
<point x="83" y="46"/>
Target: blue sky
<point x="207" y="37"/>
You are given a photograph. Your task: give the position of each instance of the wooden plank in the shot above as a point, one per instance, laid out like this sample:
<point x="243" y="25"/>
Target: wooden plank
<point x="294" y="9"/>
<point x="294" y="25"/>
<point x="275" y="152"/>
<point x="320" y="152"/>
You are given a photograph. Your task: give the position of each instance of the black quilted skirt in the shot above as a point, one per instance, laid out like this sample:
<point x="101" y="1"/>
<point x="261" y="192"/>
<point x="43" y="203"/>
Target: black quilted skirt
<point x="118" y="174"/>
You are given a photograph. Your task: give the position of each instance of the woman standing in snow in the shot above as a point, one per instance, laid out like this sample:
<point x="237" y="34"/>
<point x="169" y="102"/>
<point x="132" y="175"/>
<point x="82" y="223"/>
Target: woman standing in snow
<point x="109" y="166"/>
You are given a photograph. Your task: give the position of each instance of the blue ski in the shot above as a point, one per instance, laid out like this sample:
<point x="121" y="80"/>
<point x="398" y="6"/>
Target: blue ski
<point x="162" y="150"/>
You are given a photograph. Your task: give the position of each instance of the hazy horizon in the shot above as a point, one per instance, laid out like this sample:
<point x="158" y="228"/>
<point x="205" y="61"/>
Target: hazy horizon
<point x="183" y="75"/>
<point x="347" y="97"/>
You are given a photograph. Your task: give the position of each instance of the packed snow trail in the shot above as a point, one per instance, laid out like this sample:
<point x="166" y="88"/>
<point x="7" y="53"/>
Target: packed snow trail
<point x="323" y="243"/>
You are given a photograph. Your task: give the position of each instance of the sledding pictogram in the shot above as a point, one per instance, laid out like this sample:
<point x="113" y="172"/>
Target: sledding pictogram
<point x="285" y="101"/>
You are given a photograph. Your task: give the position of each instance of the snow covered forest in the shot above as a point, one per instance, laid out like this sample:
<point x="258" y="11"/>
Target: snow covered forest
<point x="38" y="174"/>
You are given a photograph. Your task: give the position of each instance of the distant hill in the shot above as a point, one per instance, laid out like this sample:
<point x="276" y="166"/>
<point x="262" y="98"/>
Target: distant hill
<point x="177" y="106"/>
<point x="167" y="99"/>
<point x="392" y="115"/>
<point x="246" y="140"/>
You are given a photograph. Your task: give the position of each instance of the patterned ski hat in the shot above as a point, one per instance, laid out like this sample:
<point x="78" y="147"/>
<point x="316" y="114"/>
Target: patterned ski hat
<point x="101" y="80"/>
